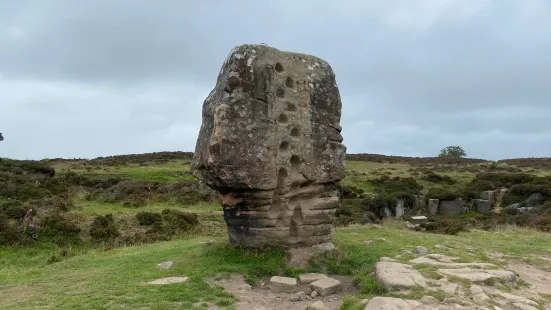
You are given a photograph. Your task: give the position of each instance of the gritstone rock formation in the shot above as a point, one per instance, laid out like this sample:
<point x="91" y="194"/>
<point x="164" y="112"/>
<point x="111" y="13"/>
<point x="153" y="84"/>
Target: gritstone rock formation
<point x="270" y="143"/>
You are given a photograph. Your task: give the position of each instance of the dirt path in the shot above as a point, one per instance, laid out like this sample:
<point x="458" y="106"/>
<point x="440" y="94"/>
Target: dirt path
<point x="266" y="298"/>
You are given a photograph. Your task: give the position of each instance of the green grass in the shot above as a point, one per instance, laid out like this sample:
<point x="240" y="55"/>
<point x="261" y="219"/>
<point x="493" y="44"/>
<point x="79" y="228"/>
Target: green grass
<point x="91" y="278"/>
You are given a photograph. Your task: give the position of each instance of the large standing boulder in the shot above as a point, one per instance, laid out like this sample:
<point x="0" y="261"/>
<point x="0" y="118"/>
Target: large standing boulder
<point x="270" y="143"/>
<point x="451" y="207"/>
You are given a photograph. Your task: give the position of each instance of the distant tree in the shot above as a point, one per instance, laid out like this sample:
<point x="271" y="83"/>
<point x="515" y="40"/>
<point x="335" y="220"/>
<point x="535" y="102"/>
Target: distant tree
<point x="453" y="151"/>
<point x="1" y="137"/>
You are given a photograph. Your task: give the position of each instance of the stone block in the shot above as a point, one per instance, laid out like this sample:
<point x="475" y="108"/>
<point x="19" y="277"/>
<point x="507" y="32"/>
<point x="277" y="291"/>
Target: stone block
<point x="326" y="286"/>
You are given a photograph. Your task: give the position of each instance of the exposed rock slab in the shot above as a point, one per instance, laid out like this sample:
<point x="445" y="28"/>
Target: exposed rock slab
<point x="326" y="286"/>
<point x="397" y="276"/>
<point x="270" y="143"/>
<point x="479" y="275"/>
<point x="447" y="262"/>
<point x="308" y="278"/>
<point x="378" y="303"/>
<point x="284" y="283"/>
<point x="168" y="280"/>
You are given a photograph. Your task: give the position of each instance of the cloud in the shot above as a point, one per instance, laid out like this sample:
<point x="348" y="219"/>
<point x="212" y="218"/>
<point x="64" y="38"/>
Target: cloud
<point x="84" y="79"/>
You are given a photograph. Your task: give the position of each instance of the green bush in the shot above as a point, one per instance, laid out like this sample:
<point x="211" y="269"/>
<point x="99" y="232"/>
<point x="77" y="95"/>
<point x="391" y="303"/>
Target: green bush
<point x="57" y="229"/>
<point x="103" y="228"/>
<point x="437" y="178"/>
<point x="147" y="218"/>
<point x="9" y="233"/>
<point x="174" y="222"/>
<point x="13" y="209"/>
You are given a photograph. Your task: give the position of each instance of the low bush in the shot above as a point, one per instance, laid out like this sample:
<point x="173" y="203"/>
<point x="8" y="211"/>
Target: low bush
<point x="437" y="178"/>
<point x="103" y="228"/>
<point x="59" y="230"/>
<point x="9" y="232"/>
<point x="147" y="218"/>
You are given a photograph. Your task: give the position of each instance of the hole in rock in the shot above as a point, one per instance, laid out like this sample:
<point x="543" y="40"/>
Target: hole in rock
<point x="283" y="118"/>
<point x="284" y="146"/>
<point x="291" y="107"/>
<point x="289" y="82"/>
<point x="280" y="92"/>
<point x="278" y="67"/>
<point x="295" y="132"/>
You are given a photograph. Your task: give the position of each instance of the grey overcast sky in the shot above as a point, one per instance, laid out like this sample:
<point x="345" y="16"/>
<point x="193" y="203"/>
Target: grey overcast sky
<point x="105" y="77"/>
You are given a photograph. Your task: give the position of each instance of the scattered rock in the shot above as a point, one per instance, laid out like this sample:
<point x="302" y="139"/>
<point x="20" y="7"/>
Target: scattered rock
<point x="245" y="287"/>
<point x="326" y="286"/>
<point x="308" y="278"/>
<point x="283" y="283"/>
<point x="368" y="242"/>
<point x="406" y="252"/>
<point x="479" y="275"/>
<point x="418" y="219"/>
<point x="314" y="294"/>
<point x="397" y="276"/>
<point x="318" y="305"/>
<point x="441" y="247"/>
<point x="420" y="250"/>
<point x="364" y="301"/>
<point x="300" y="296"/>
<point x="165" y="265"/>
<point x="169" y="280"/>
<point x="380" y="239"/>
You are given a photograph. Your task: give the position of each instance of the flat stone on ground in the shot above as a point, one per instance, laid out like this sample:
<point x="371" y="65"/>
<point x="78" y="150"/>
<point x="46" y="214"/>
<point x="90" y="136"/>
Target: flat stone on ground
<point x="479" y="275"/>
<point x="165" y="265"/>
<point x="308" y="278"/>
<point x="169" y="280"/>
<point x="378" y="303"/>
<point x="326" y="286"/>
<point x="397" y="276"/>
<point x="318" y="305"/>
<point x="283" y="282"/>
<point x="446" y="261"/>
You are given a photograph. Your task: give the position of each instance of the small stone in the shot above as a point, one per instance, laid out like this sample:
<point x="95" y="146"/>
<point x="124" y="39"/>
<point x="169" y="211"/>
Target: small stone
<point x="318" y="305"/>
<point x="326" y="286"/>
<point x="421" y="250"/>
<point x="314" y="294"/>
<point x="300" y="296"/>
<point x="308" y="297"/>
<point x="364" y="301"/>
<point x="368" y="242"/>
<point x="381" y="239"/>
<point x="169" y="280"/>
<point x="165" y="265"/>
<point x="441" y="247"/>
<point x="283" y="282"/>
<point x="308" y="278"/>
<point x="406" y="252"/>
<point x="245" y="287"/>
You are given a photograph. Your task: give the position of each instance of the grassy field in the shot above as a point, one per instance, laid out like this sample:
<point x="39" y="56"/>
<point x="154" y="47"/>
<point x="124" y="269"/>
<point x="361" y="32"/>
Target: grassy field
<point x="104" y="276"/>
<point x="116" y="279"/>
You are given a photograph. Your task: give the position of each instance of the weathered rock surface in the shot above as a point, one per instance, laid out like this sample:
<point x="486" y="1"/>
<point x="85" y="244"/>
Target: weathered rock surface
<point x="397" y="276"/>
<point x="481" y="205"/>
<point x="378" y="303"/>
<point x="433" y="206"/>
<point x="270" y="143"/>
<point x="169" y="280"/>
<point x="447" y="262"/>
<point x="479" y="275"/>
<point x="284" y="283"/>
<point x="308" y="278"/>
<point x="165" y="265"/>
<point x="326" y="286"/>
<point x="451" y="207"/>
